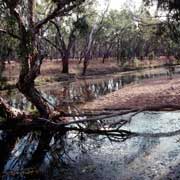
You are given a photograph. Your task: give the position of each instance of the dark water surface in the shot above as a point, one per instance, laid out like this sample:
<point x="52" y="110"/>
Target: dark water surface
<point x="83" y="90"/>
<point x="80" y="157"/>
<point x="137" y="158"/>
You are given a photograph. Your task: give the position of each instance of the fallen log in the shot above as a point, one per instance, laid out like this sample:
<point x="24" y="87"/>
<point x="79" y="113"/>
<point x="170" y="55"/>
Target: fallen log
<point x="33" y="123"/>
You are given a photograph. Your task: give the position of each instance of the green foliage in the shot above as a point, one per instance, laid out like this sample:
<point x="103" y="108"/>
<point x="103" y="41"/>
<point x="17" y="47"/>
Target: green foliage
<point x="81" y="25"/>
<point x="8" y="44"/>
<point x="170" y="6"/>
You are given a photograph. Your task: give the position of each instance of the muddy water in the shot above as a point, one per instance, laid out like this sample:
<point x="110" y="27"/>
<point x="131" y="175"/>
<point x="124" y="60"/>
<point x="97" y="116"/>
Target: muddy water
<point x="81" y="157"/>
<point x="138" y="158"/>
<point x="83" y="90"/>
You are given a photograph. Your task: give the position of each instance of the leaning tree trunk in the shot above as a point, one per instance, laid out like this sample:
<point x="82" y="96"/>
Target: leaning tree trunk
<point x="34" y="96"/>
<point x="31" y="61"/>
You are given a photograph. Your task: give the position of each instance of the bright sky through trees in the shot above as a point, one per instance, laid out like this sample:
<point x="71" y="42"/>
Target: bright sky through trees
<point x="121" y="4"/>
<point x="118" y="4"/>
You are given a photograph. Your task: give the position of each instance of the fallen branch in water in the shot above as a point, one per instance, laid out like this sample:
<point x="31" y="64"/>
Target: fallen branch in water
<point x="105" y="122"/>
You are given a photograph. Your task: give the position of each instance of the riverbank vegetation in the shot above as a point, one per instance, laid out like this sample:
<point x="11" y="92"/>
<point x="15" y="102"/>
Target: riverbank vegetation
<point x="53" y="44"/>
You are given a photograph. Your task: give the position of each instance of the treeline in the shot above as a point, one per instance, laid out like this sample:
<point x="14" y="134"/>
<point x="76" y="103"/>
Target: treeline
<point x="87" y="34"/>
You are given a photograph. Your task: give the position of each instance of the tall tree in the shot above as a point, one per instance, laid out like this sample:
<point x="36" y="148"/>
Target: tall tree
<point x="67" y="31"/>
<point x="29" y="26"/>
<point x="96" y="27"/>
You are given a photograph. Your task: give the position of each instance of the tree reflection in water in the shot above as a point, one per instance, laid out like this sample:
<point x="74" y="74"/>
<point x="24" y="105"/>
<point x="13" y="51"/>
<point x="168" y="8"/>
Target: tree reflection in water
<point x="63" y="94"/>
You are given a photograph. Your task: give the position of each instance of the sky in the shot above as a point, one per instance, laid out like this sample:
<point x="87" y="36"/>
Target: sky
<point x="116" y="4"/>
<point x="119" y="4"/>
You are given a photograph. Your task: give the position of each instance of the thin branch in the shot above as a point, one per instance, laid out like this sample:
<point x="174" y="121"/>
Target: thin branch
<point x="53" y="44"/>
<point x="15" y="14"/>
<point x="63" y="44"/>
<point x="58" y="11"/>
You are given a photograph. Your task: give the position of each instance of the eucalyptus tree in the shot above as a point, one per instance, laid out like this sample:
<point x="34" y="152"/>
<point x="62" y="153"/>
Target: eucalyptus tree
<point x="169" y="29"/>
<point x="29" y="22"/>
<point x="67" y="31"/>
<point x="172" y="7"/>
<point x="117" y="34"/>
<point x="147" y="29"/>
<point x="96" y="25"/>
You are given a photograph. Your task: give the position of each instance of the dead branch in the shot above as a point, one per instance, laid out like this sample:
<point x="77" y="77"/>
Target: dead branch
<point x="105" y="123"/>
<point x="11" y="113"/>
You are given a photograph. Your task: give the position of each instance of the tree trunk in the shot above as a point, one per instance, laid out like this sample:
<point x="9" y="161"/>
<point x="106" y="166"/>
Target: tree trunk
<point x="35" y="97"/>
<point x="106" y="55"/>
<point x="81" y="57"/>
<point x="65" y="63"/>
<point x="85" y="68"/>
<point x="86" y="61"/>
<point x="31" y="61"/>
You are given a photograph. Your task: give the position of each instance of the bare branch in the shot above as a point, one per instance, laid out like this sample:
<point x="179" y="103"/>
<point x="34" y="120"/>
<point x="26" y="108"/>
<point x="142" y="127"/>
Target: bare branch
<point x="63" y="44"/>
<point x="60" y="10"/>
<point x="52" y="44"/>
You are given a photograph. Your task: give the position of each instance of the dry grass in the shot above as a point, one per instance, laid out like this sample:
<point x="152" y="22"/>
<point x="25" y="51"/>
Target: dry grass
<point x="52" y="68"/>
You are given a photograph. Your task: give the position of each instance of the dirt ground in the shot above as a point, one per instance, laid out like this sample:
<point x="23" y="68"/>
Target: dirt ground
<point x="160" y="92"/>
<point x="51" y="69"/>
<point x="149" y="93"/>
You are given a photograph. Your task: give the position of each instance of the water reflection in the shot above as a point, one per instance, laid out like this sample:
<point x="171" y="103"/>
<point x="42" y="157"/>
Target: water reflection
<point x="81" y="91"/>
<point x="137" y="158"/>
<point x="79" y="156"/>
<point x="20" y="156"/>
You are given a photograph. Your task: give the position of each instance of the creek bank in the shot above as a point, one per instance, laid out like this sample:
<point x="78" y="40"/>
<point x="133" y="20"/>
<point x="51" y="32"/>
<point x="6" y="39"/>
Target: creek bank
<point x="161" y="91"/>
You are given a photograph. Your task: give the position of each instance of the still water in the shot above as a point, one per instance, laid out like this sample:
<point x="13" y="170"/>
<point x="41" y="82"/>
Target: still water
<point x="83" y="90"/>
<point x="137" y="158"/>
<point x="80" y="157"/>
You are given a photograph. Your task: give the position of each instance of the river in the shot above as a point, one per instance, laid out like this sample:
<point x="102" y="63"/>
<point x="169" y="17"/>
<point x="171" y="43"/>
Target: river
<point x="80" y="156"/>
